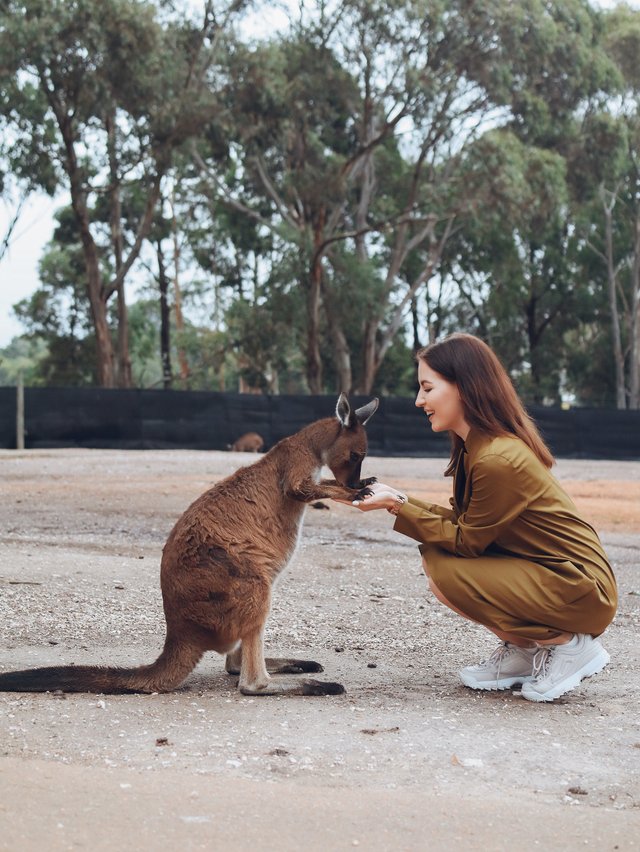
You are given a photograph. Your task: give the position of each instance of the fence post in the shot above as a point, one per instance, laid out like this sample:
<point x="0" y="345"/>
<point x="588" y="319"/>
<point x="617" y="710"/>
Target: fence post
<point x="20" y="413"/>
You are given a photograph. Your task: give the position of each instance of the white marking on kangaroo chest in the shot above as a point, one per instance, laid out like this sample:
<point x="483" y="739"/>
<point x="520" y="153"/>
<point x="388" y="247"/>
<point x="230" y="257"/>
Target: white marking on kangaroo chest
<point x="291" y="552"/>
<point x="316" y="476"/>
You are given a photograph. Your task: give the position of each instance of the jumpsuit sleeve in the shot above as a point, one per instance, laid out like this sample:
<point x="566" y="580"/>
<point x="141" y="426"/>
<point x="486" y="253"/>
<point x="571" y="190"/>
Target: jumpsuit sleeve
<point x="449" y="514"/>
<point x="498" y="496"/>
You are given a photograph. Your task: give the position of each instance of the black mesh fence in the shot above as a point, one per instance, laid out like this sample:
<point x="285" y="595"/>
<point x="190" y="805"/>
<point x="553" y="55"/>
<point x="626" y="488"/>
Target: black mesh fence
<point x="159" y="419"/>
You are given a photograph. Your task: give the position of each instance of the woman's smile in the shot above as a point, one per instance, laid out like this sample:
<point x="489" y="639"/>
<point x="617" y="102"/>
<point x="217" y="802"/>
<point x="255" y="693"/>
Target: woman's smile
<point x="435" y="390"/>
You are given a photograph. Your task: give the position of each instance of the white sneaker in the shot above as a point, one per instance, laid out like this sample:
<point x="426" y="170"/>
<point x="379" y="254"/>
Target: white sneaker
<point x="560" y="668"/>
<point x="507" y="666"/>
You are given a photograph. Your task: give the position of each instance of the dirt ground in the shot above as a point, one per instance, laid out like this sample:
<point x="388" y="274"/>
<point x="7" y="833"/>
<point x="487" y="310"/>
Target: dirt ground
<point x="407" y="759"/>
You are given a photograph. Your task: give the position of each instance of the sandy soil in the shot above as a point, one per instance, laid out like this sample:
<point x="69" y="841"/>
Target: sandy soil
<point x="407" y="759"/>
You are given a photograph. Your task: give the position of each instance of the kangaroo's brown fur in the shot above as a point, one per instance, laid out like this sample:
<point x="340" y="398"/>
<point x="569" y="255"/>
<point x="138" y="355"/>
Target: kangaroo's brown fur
<point x="250" y="442"/>
<point x="220" y="563"/>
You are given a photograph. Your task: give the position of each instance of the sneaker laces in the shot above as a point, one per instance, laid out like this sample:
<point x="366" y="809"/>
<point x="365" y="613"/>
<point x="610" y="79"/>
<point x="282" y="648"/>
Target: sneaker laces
<point x="498" y="656"/>
<point x="541" y="661"/>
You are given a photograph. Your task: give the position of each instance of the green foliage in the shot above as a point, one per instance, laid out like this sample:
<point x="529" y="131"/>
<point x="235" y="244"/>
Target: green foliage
<point x="22" y="357"/>
<point x="452" y="156"/>
<point x="262" y="335"/>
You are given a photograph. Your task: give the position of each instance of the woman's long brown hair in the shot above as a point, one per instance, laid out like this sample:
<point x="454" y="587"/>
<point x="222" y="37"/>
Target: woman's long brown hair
<point x="489" y="400"/>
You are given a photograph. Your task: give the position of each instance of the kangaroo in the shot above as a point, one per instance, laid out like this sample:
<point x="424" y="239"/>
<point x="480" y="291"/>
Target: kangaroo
<point x="250" y="442"/>
<point x="221" y="561"/>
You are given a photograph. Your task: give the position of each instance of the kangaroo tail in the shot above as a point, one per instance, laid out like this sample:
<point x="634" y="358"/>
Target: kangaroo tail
<point x="173" y="665"/>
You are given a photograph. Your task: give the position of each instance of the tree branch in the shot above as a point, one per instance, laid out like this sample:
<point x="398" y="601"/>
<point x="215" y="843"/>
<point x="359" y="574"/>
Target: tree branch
<point x="143" y="230"/>
<point x="11" y="227"/>
<point x="277" y="200"/>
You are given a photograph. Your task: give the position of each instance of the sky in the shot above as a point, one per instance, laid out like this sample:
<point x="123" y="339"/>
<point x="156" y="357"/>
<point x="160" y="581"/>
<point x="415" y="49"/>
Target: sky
<point x="19" y="266"/>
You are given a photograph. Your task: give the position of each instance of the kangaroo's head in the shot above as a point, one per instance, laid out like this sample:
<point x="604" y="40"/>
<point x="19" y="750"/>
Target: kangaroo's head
<point x="346" y="453"/>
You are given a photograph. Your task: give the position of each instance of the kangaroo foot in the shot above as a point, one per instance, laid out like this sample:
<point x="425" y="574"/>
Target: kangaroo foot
<point x="282" y="665"/>
<point x="277" y="665"/>
<point x="305" y="687"/>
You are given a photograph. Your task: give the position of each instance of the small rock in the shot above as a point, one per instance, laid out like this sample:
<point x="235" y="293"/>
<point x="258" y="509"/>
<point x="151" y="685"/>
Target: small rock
<point x="162" y="741"/>
<point x="372" y="665"/>
<point x="373" y="731"/>
<point x="338" y="649"/>
<point x="578" y="791"/>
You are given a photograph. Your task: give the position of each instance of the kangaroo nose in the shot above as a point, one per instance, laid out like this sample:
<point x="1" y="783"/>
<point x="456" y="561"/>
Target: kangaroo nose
<point x="354" y="479"/>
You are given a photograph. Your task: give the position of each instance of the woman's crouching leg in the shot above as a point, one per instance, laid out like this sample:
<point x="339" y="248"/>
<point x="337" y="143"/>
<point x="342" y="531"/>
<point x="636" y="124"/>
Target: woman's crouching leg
<point x="498" y="592"/>
<point x="439" y="595"/>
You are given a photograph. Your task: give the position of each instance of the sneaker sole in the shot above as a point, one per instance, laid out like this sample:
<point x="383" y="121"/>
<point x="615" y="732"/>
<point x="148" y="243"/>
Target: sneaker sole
<point x="588" y="670"/>
<point x="494" y="685"/>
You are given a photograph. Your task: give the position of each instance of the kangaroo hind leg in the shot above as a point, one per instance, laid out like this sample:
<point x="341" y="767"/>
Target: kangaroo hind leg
<point x="255" y="679"/>
<point x="287" y="665"/>
<point x="275" y="665"/>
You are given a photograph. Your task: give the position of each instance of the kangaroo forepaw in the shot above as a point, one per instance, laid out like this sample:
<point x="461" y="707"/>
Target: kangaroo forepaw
<point x="362" y="493"/>
<point x="319" y="687"/>
<point x="370" y="480"/>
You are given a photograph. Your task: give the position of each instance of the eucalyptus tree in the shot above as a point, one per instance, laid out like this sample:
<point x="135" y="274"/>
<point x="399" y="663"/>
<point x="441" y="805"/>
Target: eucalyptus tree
<point x="57" y="314"/>
<point x="350" y="135"/>
<point x="102" y="92"/>
<point x="513" y="259"/>
<point x="607" y="166"/>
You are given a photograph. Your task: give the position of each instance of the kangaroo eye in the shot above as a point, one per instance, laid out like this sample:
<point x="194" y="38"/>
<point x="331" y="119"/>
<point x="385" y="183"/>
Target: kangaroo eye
<point x="354" y="457"/>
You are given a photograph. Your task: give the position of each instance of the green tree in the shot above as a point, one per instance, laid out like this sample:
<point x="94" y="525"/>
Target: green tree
<point x="350" y="139"/>
<point x="517" y="244"/>
<point x="607" y="188"/>
<point x="103" y="91"/>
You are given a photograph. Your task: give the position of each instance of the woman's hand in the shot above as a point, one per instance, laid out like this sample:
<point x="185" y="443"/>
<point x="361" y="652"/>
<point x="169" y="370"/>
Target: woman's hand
<point x="383" y="497"/>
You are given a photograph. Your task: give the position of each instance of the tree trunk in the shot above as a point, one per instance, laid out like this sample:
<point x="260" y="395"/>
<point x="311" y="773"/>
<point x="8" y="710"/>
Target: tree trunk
<point x="165" y="319"/>
<point x="104" y="346"/>
<point x="618" y="355"/>
<point x="314" y="358"/>
<point x="341" y="352"/>
<point x="314" y="295"/>
<point x="634" y="342"/>
<point x="369" y="366"/>
<point x="177" y="296"/>
<point x="95" y="292"/>
<point x="415" y="324"/>
<point x="117" y="242"/>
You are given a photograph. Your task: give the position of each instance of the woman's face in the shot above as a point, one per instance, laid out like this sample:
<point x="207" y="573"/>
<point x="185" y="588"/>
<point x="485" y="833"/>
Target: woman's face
<point x="440" y="401"/>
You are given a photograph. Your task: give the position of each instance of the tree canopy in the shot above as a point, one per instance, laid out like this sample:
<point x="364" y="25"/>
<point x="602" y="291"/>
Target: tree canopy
<point x="297" y="211"/>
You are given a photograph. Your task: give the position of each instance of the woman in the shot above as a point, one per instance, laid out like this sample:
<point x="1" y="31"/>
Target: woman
<point x="512" y="552"/>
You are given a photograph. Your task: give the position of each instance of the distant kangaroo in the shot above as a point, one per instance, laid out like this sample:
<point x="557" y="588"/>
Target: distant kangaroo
<point x="221" y="560"/>
<point x="250" y="442"/>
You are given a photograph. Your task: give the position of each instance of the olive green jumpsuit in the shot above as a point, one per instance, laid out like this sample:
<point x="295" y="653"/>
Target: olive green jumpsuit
<point x="513" y="552"/>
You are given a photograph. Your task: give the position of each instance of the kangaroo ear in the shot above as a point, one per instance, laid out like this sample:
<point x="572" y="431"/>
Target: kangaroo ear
<point x="343" y="410"/>
<point x="364" y="414"/>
